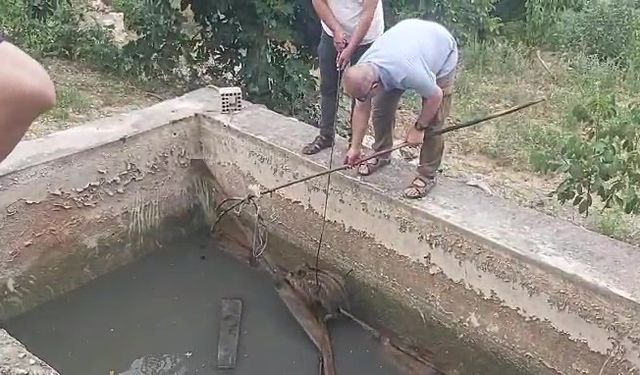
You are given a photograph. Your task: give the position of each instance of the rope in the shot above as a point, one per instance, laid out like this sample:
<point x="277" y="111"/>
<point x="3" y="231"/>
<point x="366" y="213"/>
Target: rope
<point x="260" y="237"/>
<point x="328" y="187"/>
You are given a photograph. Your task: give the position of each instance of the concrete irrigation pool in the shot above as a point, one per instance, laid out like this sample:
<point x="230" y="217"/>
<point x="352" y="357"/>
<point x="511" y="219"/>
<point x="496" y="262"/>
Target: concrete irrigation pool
<point x="160" y="315"/>
<point x="103" y="226"/>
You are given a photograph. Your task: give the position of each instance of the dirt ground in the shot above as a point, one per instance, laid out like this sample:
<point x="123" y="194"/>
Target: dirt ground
<point x="84" y="95"/>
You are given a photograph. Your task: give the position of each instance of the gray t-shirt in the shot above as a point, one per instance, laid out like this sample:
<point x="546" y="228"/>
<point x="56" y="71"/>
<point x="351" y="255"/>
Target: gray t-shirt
<point x="412" y="55"/>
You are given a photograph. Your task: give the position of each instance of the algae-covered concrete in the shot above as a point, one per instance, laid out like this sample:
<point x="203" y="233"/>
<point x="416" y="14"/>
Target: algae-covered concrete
<point x="540" y="293"/>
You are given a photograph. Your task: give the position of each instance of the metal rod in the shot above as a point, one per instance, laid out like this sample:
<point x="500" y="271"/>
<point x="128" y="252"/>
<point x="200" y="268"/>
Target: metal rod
<point x="404" y="144"/>
<point x="490" y="117"/>
<point x="336" y="169"/>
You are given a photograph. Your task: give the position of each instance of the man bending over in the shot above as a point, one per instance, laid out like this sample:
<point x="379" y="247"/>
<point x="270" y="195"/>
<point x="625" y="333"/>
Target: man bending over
<point x="348" y="29"/>
<point x="412" y="55"/>
<point x="26" y="92"/>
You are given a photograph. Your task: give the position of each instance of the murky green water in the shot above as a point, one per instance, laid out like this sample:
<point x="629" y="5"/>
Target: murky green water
<point x="160" y="315"/>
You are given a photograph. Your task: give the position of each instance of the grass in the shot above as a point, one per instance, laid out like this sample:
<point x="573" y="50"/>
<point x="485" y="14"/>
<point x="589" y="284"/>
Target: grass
<point x="510" y="153"/>
<point x="70" y="101"/>
<point x="84" y="95"/>
<point x="614" y="224"/>
<point x="495" y="76"/>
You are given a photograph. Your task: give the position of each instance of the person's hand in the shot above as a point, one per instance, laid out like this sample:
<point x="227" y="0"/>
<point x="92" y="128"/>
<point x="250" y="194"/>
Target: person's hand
<point x="344" y="57"/>
<point x="414" y="137"/>
<point x="340" y="40"/>
<point x="353" y="156"/>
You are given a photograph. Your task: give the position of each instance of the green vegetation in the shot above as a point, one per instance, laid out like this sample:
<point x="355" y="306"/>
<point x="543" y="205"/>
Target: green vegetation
<point x="69" y="101"/>
<point x="583" y="55"/>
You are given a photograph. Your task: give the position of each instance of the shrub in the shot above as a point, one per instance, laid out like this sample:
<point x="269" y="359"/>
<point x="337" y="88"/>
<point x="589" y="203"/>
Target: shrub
<point x="608" y="30"/>
<point x="603" y="161"/>
<point x="133" y="10"/>
<point x="468" y="20"/>
<point x="542" y="15"/>
<point x="45" y="30"/>
<point x="54" y="29"/>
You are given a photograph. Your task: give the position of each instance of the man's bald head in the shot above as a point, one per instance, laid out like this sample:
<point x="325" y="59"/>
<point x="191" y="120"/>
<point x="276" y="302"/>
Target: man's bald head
<point x="359" y="80"/>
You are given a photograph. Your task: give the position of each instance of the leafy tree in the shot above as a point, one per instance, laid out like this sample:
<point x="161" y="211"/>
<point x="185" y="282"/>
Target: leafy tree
<point x="262" y="46"/>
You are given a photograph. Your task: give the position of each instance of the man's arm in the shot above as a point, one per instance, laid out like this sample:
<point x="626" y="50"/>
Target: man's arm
<point x="430" y="107"/>
<point x="368" y="11"/>
<point x="26" y="92"/>
<point x="360" y="123"/>
<point x="426" y="86"/>
<point x="431" y="94"/>
<point x="326" y="15"/>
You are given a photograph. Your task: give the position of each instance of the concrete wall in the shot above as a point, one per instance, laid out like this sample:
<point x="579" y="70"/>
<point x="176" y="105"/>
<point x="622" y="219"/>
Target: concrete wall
<point x="69" y="199"/>
<point x="15" y="359"/>
<point x="539" y="295"/>
<point x="489" y="287"/>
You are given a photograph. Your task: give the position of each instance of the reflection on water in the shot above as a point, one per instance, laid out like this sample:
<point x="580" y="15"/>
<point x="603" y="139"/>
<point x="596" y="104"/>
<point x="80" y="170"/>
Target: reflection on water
<point x="163" y="364"/>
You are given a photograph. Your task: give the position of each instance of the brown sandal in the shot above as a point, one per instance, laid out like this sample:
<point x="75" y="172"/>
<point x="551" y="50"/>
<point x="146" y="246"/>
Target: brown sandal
<point x="370" y="166"/>
<point x="419" y="187"/>
<point x="318" y="144"/>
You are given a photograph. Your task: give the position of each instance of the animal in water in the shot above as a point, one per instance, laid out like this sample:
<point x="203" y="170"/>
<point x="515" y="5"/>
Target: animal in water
<point x="323" y="290"/>
<point x="309" y="318"/>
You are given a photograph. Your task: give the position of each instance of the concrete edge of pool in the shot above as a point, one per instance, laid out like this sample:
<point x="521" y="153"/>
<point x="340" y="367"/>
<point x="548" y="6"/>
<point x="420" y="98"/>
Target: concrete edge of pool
<point x="15" y="359"/>
<point x="69" y="199"/>
<point x="537" y="292"/>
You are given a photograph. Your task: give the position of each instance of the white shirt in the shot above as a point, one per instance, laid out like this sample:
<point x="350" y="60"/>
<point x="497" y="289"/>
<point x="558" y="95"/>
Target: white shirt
<point x="349" y="12"/>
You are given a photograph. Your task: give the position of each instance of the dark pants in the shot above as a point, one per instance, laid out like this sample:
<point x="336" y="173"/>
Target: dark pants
<point x="327" y="55"/>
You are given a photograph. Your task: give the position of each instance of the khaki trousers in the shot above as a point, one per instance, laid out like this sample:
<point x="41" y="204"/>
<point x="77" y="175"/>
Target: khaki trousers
<point x="383" y="116"/>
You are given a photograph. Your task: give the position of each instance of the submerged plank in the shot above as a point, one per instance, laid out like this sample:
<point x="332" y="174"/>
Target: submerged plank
<point x="229" y="334"/>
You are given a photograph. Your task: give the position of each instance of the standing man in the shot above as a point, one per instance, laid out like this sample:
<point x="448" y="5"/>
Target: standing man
<point x="26" y="92"/>
<point x="349" y="27"/>
<point x="414" y="55"/>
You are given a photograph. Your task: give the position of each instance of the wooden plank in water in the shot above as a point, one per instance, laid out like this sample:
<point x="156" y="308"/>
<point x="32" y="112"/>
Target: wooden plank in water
<point x="229" y="334"/>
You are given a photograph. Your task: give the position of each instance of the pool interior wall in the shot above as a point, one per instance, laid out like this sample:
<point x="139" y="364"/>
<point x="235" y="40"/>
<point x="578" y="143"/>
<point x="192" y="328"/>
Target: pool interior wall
<point x="160" y="315"/>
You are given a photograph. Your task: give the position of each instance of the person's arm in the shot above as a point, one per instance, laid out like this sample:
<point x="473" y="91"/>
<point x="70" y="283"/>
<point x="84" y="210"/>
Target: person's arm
<point x="26" y="92"/>
<point x="326" y="15"/>
<point x="360" y="122"/>
<point x="368" y="12"/>
<point x="430" y="107"/>
<point x="359" y="125"/>
<point x="426" y="86"/>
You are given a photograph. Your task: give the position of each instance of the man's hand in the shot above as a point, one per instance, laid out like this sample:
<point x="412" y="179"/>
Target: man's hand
<point x="340" y="40"/>
<point x="414" y="137"/>
<point x="344" y="57"/>
<point x="353" y="157"/>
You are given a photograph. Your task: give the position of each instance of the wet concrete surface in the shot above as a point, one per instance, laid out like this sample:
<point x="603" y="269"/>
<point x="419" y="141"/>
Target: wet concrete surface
<point x="160" y="315"/>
